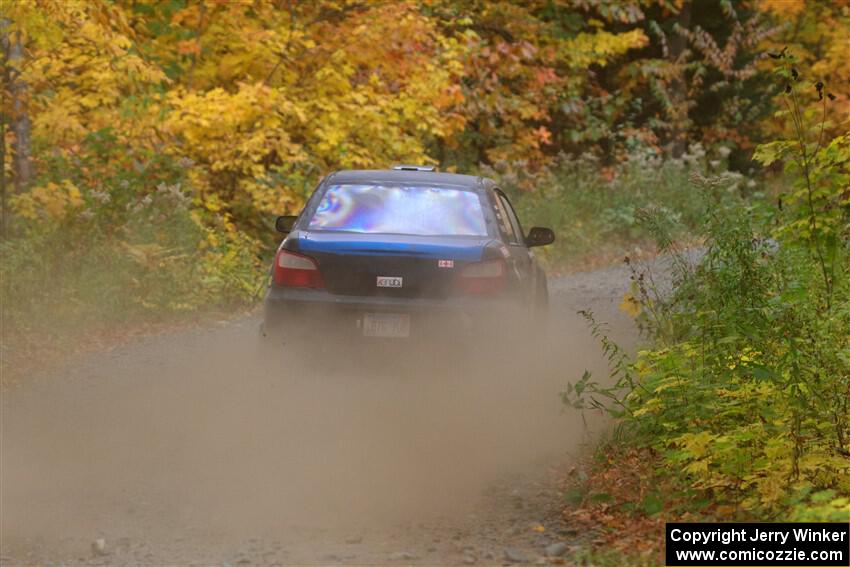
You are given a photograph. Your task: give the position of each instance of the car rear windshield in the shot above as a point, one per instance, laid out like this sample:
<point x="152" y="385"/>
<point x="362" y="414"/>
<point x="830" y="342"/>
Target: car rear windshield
<point x="400" y="209"/>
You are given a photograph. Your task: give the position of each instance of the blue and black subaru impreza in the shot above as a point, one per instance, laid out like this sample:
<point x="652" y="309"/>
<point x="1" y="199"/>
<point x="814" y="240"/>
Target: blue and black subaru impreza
<point x="403" y="253"/>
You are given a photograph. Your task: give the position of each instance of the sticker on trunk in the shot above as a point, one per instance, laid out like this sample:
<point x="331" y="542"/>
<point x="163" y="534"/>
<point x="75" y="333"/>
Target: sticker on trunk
<point x="389" y="281"/>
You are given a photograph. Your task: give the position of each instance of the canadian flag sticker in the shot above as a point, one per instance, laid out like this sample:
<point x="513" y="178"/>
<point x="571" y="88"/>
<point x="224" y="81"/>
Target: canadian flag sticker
<point x="445" y="263"/>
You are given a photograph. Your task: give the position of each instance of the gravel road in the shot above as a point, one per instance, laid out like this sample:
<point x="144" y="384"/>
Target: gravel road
<point x="181" y="449"/>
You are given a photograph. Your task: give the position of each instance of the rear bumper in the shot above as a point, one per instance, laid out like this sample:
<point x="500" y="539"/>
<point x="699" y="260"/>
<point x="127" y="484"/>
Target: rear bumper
<point x="310" y="314"/>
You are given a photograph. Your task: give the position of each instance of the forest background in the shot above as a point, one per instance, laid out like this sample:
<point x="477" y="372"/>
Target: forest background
<point x="149" y="144"/>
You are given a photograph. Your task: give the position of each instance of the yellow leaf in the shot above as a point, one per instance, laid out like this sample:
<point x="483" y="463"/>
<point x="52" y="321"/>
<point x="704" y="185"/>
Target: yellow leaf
<point x="630" y="305"/>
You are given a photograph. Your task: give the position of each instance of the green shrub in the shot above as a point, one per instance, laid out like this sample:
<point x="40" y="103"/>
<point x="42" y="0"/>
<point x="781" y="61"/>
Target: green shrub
<point x="745" y="391"/>
<point x="595" y="210"/>
<point x="117" y="236"/>
<point x="745" y="388"/>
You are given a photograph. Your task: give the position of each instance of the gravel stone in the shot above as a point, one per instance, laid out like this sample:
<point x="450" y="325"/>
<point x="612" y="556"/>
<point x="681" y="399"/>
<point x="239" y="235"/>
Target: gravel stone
<point x="556" y="549"/>
<point x="98" y="547"/>
<point x="515" y="555"/>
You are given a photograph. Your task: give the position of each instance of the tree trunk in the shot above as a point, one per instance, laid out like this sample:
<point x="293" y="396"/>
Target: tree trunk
<point x="679" y="88"/>
<point x="21" y="159"/>
<point x="4" y="89"/>
<point x="202" y="12"/>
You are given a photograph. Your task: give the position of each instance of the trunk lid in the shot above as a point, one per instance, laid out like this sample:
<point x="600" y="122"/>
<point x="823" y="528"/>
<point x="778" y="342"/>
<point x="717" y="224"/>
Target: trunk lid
<point x="351" y="263"/>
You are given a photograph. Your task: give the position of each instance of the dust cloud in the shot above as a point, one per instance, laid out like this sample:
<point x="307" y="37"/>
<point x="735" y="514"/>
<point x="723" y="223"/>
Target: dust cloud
<point x="188" y="442"/>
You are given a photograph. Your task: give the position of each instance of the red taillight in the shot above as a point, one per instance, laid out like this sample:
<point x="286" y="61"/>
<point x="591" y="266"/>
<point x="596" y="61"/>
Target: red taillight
<point x="483" y="278"/>
<point x="296" y="270"/>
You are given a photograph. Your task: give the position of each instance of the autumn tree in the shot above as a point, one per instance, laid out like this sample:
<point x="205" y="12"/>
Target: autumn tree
<point x="259" y="99"/>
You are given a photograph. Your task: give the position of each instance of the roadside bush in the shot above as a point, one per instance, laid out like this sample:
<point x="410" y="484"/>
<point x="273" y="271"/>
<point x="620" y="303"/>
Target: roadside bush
<point x="116" y="235"/>
<point x="744" y="391"/>
<point x="595" y="210"/>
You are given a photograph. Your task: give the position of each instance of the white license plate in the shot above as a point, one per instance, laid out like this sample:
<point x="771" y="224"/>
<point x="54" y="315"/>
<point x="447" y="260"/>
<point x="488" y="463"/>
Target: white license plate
<point x="392" y="325"/>
<point x="386" y="281"/>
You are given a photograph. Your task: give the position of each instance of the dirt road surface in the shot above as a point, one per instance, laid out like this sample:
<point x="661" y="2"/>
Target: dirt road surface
<point x="180" y="449"/>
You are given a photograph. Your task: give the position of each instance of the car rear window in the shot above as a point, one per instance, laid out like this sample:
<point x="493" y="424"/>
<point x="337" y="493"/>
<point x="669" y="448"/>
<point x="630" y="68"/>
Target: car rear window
<point x="400" y="209"/>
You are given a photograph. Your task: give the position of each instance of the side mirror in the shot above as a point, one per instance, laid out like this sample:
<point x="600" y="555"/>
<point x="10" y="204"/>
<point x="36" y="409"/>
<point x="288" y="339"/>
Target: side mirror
<point x="285" y="223"/>
<point x="539" y="236"/>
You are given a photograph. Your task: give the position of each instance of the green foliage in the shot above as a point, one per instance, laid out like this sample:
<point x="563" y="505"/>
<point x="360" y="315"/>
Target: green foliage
<point x="819" y="203"/>
<point x="596" y="210"/>
<point x="127" y="243"/>
<point x="745" y="391"/>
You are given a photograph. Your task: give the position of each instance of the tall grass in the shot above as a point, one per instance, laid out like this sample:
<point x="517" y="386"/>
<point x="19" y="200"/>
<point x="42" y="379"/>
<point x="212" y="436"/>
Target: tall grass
<point x="595" y="209"/>
<point x="743" y="394"/>
<point x="126" y="247"/>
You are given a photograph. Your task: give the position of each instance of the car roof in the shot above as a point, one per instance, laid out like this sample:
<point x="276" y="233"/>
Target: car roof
<point x="404" y="176"/>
